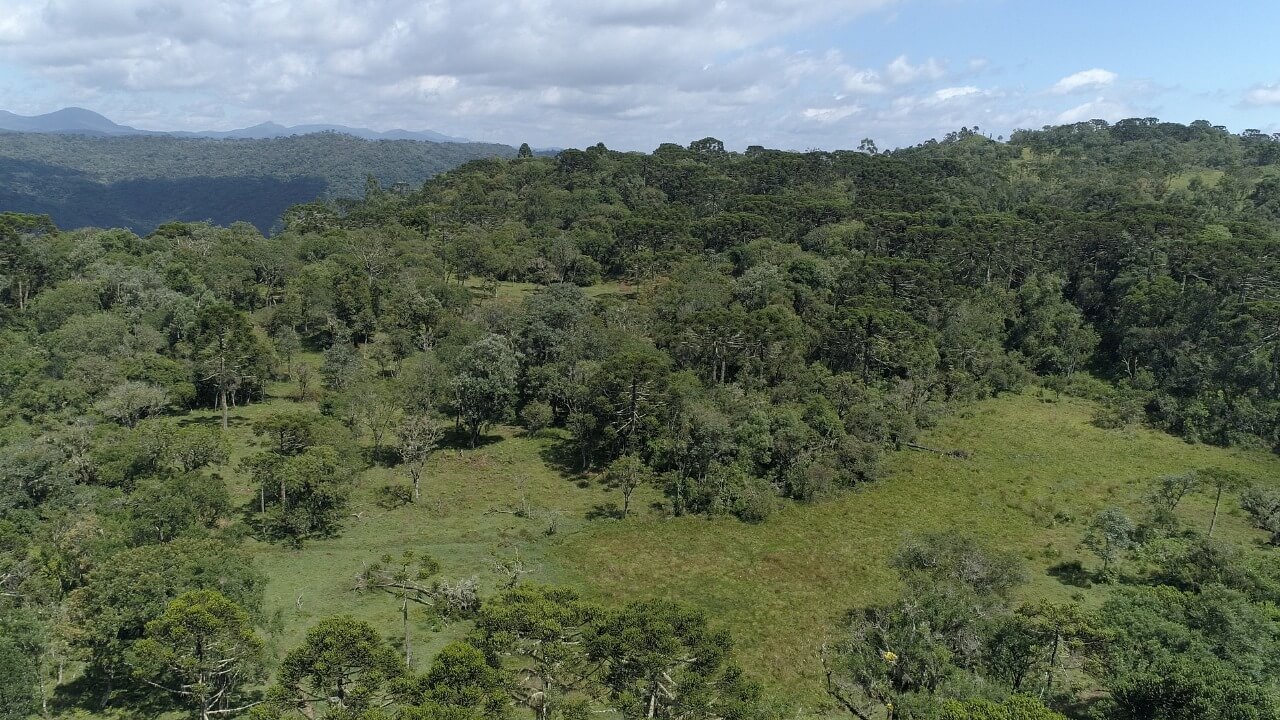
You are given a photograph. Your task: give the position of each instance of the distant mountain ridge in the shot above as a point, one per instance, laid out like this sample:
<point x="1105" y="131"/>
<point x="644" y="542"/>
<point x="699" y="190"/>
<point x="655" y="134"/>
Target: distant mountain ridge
<point x="109" y="177"/>
<point x="79" y="121"/>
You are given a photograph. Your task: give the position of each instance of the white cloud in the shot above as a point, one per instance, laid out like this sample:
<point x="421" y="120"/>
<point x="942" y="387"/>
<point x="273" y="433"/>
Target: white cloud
<point x="1263" y="95"/>
<point x="1097" y="109"/>
<point x="901" y="71"/>
<point x="952" y="93"/>
<point x="1084" y="80"/>
<point x="632" y="73"/>
<point x="830" y="114"/>
<point x="864" y="81"/>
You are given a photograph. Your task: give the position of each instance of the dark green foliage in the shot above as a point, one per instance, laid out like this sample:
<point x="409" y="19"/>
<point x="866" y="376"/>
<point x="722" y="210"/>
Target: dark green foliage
<point x="459" y="686"/>
<point x="19" y="677"/>
<point x="343" y="664"/>
<point x="541" y="629"/>
<point x="143" y="182"/>
<point x="110" y="612"/>
<point x="203" y="652"/>
<point x="666" y="661"/>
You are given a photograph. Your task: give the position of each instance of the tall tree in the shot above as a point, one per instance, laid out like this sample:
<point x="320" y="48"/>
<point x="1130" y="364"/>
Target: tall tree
<point x="203" y="651"/>
<point x="1109" y="536"/>
<point x="420" y="435"/>
<point x="227" y="353"/>
<point x="343" y="665"/>
<point x="484" y="388"/>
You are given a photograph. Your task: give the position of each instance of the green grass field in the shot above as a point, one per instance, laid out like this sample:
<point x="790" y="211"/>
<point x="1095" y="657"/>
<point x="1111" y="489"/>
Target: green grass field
<point x="1038" y="469"/>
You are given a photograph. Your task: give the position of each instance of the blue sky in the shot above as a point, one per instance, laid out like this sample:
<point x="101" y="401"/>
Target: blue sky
<point x="633" y="73"/>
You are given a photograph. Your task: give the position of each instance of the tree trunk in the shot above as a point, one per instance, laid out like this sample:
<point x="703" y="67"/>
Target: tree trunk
<point x="1214" y="520"/>
<point x="222" y="402"/>
<point x="404" y="616"/>
<point x="1053" y="664"/>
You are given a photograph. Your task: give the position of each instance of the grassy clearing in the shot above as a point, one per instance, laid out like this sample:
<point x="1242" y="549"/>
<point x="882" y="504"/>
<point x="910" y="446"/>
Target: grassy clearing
<point x="1038" y="470"/>
<point x="1209" y="177"/>
<point x="1037" y="473"/>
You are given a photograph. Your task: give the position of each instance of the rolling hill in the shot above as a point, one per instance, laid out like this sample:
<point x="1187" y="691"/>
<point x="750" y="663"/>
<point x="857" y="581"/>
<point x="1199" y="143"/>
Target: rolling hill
<point x="113" y="176"/>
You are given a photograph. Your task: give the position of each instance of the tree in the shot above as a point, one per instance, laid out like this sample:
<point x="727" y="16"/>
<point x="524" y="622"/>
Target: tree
<point x="290" y="432"/>
<point x="19" y="693"/>
<point x="340" y="366"/>
<point x="374" y="410"/>
<point x="1184" y="687"/>
<point x="192" y="448"/>
<point x="484" y="388"/>
<point x="1263" y="508"/>
<point x="227" y="352"/>
<point x="664" y="660"/>
<point x="460" y="685"/>
<point x="1219" y="480"/>
<point x="625" y="396"/>
<point x="132" y="587"/>
<point x="1109" y="535"/>
<point x="404" y="578"/>
<point x="129" y="402"/>
<point x="420" y="435"/>
<point x="525" y="151"/>
<point x="626" y="474"/>
<point x="161" y="509"/>
<point x="539" y="632"/>
<point x="342" y="664"/>
<point x="1061" y="629"/>
<point x="1050" y="331"/>
<point x="303" y="494"/>
<point x="1168" y="492"/>
<point x="203" y="651"/>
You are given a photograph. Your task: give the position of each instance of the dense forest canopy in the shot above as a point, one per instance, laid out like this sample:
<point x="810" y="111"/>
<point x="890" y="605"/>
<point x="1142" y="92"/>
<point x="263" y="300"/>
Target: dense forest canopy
<point x="729" y="332"/>
<point x="142" y="181"/>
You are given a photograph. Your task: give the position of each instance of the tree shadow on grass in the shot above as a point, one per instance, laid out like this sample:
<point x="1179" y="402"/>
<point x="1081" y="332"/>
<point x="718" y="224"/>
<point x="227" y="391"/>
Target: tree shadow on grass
<point x="459" y="440"/>
<point x="213" y="421"/>
<point x="605" y="511"/>
<point x="562" y="457"/>
<point x="1072" y="572"/>
<point x="129" y="700"/>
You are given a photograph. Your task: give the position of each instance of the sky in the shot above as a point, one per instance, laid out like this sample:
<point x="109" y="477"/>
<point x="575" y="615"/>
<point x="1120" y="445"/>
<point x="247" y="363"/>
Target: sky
<point x="793" y="74"/>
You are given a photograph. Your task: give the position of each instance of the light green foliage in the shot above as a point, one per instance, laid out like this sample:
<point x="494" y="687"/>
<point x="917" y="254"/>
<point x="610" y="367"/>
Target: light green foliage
<point x="1109" y="535"/>
<point x="342" y="664"/>
<point x="806" y="341"/>
<point x="539" y="632"/>
<point x="203" y="651"/>
<point x="129" y="402"/>
<point x="666" y="660"/>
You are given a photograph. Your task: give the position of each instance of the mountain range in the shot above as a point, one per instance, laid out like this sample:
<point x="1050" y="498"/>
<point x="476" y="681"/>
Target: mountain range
<point x="79" y="121"/>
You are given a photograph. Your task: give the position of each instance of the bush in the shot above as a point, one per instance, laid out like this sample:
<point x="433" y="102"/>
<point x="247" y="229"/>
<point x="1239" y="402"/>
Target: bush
<point x="537" y="416"/>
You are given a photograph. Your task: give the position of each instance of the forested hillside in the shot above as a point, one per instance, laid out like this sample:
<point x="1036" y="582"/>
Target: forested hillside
<point x="967" y="430"/>
<point x="142" y="181"/>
